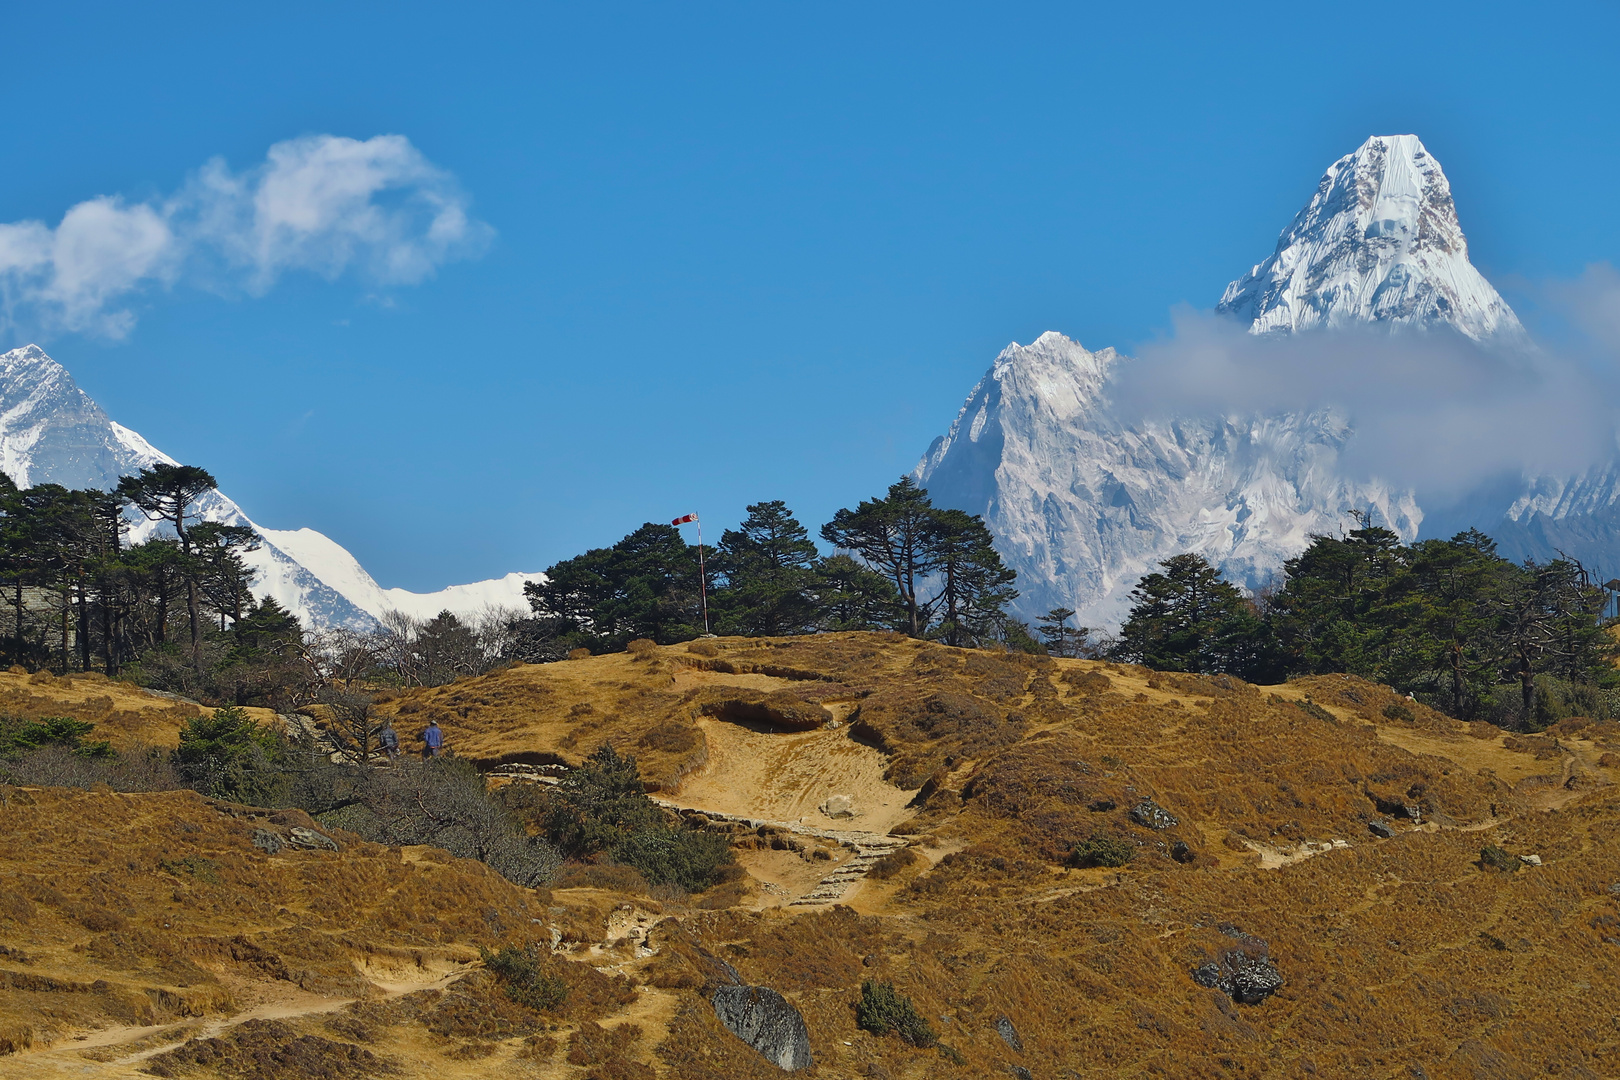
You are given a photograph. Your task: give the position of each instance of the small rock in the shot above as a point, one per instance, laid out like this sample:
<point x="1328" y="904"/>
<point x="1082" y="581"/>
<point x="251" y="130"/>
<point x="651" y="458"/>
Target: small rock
<point x="267" y="841"/>
<point x="1021" y="1073"/>
<point x="765" y="1020"/>
<point x="839" y="807"/>
<point x="1182" y="852"/>
<point x="309" y="838"/>
<point x="1150" y="814"/>
<point x="1379" y="827"/>
<point x="1530" y="860"/>
<point x="1615" y="888"/>
<point x="1009" y="1034"/>
<point x="1413" y="812"/>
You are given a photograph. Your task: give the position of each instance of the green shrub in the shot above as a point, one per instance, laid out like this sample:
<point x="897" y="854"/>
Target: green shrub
<point x="1102" y="851"/>
<point x="1311" y="708"/>
<point x="19" y="736"/>
<point x="1497" y="858"/>
<point x="195" y="865"/>
<point x="1395" y="710"/>
<point x="882" y="1010"/>
<point x="684" y="857"/>
<point x="228" y="756"/>
<point x="523" y="974"/>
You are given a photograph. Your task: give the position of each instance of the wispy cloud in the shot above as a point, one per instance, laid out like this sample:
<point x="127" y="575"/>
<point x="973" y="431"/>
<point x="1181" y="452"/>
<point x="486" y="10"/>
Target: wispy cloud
<point x="1430" y="410"/>
<point x="323" y="204"/>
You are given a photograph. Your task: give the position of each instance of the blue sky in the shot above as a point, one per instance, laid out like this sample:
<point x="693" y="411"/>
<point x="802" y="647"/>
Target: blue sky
<point x="736" y="252"/>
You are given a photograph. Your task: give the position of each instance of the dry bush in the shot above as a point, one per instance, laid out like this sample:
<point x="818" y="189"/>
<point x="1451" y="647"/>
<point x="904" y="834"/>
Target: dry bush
<point x="670" y="737"/>
<point x="642" y="649"/>
<point x="595" y="1045"/>
<point x="624" y="879"/>
<point x="269" y="1050"/>
<point x="579" y="654"/>
<point x="894" y="863"/>
<point x="702" y="648"/>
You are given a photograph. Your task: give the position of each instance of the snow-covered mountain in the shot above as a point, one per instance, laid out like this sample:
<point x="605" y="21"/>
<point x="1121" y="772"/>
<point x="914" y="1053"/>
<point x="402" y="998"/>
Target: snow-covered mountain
<point x="1378" y="242"/>
<point x="52" y="432"/>
<point x="1082" y="503"/>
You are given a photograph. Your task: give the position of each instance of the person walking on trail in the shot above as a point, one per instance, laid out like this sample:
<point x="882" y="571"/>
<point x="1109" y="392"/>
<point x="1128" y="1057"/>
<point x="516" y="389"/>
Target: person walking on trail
<point x="388" y="739"/>
<point x="432" y="741"/>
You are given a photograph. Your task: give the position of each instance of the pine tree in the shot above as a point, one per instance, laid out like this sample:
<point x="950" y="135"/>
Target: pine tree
<point x="1061" y="639"/>
<point x="975" y="587"/>
<point x="851" y="597"/>
<point x="1187" y="618"/>
<point x="167" y="493"/>
<point x="768" y="568"/>
<point x="645" y="586"/>
<point x="892" y="535"/>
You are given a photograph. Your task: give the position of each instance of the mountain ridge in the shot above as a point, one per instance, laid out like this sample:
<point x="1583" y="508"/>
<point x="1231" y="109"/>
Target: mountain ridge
<point x="51" y="431"/>
<point x="1083" y="501"/>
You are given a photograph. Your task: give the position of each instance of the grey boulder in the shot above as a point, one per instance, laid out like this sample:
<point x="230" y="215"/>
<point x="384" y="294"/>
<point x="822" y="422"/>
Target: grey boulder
<point x="1151" y="815"/>
<point x="765" y="1020"/>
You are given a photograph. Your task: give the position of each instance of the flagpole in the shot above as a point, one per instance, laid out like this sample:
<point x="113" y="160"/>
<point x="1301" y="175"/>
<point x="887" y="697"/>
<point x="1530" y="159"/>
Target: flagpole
<point x="703" y="571"/>
<point x="703" y="577"/>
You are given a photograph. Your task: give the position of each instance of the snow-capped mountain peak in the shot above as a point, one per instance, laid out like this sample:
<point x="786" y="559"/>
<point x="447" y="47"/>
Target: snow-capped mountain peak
<point x="1378" y="242"/>
<point x="51" y="431"/>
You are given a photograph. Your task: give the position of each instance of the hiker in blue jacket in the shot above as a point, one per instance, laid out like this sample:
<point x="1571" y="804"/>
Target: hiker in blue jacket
<point x="432" y="741"/>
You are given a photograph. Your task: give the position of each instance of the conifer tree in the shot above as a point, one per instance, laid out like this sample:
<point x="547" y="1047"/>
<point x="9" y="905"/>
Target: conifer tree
<point x="768" y="567"/>
<point x="975" y="586"/>
<point x="851" y="597"/>
<point x="167" y="493"/>
<point x="894" y="536"/>
<point x="1187" y="618"/>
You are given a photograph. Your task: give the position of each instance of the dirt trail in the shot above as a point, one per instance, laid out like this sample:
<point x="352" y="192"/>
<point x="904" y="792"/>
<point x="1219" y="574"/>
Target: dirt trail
<point x="276" y="1002"/>
<point x="760" y="776"/>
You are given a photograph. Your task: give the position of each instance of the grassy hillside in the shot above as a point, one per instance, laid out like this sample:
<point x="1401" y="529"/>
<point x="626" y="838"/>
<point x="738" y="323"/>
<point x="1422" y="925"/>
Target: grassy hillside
<point x="1040" y="854"/>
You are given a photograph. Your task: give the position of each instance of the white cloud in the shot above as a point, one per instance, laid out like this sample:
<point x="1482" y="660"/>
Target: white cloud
<point x="1432" y="410"/>
<point x="323" y="204"/>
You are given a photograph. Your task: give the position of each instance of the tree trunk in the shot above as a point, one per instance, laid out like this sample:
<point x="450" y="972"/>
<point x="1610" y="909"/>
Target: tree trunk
<point x="84" y="630"/>
<point x="109" y="665"/>
<point x="67" y="608"/>
<point x="196" y="628"/>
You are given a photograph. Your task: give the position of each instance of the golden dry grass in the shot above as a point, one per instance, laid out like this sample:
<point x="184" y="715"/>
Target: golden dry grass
<point x="1402" y="957"/>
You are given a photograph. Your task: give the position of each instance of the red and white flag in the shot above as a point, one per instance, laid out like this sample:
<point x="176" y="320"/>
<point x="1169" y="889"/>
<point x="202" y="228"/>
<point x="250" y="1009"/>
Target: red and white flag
<point x="684" y="520"/>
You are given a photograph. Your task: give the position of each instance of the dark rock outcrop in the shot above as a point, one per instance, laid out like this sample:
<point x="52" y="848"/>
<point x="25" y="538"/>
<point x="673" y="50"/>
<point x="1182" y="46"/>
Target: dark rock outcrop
<point x="1248" y="979"/>
<point x="765" y="1020"/>
<point x="1151" y="815"/>
<point x="1379" y="827"/>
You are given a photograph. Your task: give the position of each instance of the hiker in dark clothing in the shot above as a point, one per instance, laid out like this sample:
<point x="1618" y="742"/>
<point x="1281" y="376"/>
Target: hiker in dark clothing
<point x="388" y="739"/>
<point x="432" y="740"/>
